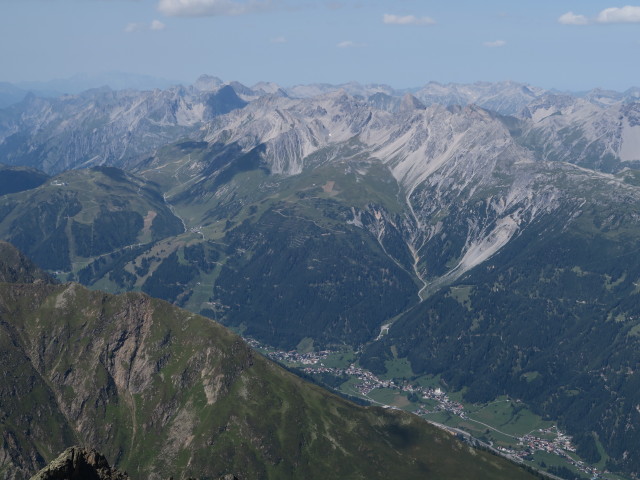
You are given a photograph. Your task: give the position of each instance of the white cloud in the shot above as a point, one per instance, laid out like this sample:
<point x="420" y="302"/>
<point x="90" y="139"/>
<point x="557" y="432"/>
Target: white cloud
<point x="132" y="27"/>
<point x="157" y="25"/>
<point x="407" y="20"/>
<point x="205" y="8"/>
<point x="628" y="14"/>
<point x="137" y="27"/>
<point x="495" y="44"/>
<point x="571" y="18"/>
<point x="350" y="44"/>
<point x="278" y="40"/>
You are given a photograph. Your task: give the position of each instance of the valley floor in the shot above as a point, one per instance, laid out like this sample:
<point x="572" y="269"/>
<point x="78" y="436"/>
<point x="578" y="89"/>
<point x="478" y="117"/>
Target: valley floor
<point x="504" y="426"/>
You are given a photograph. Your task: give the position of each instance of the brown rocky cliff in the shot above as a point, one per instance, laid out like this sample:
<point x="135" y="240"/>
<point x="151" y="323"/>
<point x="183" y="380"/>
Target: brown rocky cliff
<point x="126" y="374"/>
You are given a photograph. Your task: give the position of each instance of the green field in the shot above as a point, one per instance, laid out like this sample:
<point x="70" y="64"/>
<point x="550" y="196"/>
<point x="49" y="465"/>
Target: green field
<point x="508" y="416"/>
<point x="432" y="381"/>
<point x="392" y="398"/>
<point x="398" y="368"/>
<point x="341" y="359"/>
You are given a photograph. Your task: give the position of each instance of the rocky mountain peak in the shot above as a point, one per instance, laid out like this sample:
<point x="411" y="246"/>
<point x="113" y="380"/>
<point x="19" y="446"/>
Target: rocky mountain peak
<point x="207" y="83"/>
<point x="267" y="88"/>
<point x="410" y="103"/>
<point x="77" y="463"/>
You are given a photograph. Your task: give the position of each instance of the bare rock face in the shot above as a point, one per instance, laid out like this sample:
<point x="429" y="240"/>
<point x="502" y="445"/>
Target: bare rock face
<point x="77" y="463"/>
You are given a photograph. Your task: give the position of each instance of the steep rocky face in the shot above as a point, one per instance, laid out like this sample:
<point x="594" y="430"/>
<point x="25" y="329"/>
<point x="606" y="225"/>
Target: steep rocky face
<point x="443" y="160"/>
<point x="77" y="463"/>
<point x="102" y="126"/>
<point x="290" y="130"/>
<point x="506" y="98"/>
<point x="604" y="137"/>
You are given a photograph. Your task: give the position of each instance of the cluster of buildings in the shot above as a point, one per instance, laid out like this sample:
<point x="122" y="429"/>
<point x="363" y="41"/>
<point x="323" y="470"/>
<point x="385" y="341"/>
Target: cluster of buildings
<point x="445" y="404"/>
<point x="559" y="445"/>
<point x="369" y="382"/>
<point x="310" y="358"/>
<point x="532" y="442"/>
<point x="368" y="379"/>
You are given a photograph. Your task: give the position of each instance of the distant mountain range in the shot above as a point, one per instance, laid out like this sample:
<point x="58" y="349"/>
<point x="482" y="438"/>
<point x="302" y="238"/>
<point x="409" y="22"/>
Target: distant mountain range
<point x="490" y="227"/>
<point x="505" y="97"/>
<point x="11" y="93"/>
<point x="107" y="127"/>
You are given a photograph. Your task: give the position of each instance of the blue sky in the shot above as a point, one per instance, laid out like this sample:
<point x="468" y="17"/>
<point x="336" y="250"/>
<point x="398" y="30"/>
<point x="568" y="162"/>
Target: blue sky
<point x="569" y="45"/>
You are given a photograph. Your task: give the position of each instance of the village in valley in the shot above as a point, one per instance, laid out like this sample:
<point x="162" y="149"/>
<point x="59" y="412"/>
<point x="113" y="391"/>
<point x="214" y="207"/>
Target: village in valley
<point x="431" y="401"/>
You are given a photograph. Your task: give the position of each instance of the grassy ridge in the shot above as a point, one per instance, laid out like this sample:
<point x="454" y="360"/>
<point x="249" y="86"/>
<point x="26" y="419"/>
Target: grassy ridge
<point x="85" y="216"/>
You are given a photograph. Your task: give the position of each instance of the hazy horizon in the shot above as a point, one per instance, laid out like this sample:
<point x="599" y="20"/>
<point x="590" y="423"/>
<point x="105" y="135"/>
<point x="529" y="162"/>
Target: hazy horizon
<point x="128" y="80"/>
<point x="565" y="45"/>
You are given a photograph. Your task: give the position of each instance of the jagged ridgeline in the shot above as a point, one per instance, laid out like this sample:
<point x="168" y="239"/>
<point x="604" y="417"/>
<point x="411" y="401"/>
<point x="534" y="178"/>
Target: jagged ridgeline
<point x="163" y="392"/>
<point x="102" y="126"/>
<point x="77" y="463"/>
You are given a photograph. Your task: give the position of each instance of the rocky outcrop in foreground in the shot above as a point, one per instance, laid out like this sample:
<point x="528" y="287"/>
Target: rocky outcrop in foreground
<point x="77" y="463"/>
